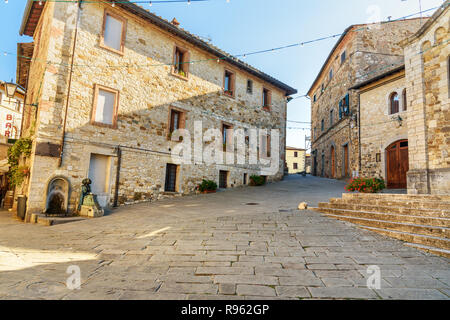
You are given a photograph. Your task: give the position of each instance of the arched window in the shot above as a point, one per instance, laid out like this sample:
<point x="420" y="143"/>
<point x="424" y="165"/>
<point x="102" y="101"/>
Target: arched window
<point x="405" y="102"/>
<point x="394" y="103"/>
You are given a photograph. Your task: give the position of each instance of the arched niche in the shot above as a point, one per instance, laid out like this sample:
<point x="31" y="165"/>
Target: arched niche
<point x="57" y="196"/>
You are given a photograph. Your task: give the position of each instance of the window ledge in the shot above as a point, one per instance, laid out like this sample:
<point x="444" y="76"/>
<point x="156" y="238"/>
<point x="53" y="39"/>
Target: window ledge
<point x="179" y="76"/>
<point x="104" y="125"/>
<point x="232" y="96"/>
<point x="103" y="46"/>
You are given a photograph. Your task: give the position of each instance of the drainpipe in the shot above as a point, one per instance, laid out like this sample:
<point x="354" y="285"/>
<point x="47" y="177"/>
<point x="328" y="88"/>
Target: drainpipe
<point x="116" y="190"/>
<point x="63" y="137"/>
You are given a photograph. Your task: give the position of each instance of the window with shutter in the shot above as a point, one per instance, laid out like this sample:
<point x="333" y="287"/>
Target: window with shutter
<point x="181" y="62"/>
<point x="105" y="107"/>
<point x="113" y="33"/>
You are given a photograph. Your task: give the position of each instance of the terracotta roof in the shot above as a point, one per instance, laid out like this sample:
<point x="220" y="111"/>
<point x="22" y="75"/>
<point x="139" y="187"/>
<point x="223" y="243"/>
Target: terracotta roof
<point x="33" y="12"/>
<point x="293" y="148"/>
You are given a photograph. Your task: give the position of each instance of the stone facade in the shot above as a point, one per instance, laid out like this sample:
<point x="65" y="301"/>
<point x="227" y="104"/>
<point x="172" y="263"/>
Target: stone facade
<point x="380" y="128"/>
<point x="362" y="51"/>
<point x="137" y="149"/>
<point x="427" y="80"/>
<point x="295" y="160"/>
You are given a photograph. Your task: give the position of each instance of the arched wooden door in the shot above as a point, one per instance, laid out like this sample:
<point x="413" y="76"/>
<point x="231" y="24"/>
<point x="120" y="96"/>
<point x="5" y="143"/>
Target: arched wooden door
<point x="333" y="163"/>
<point x="397" y="164"/>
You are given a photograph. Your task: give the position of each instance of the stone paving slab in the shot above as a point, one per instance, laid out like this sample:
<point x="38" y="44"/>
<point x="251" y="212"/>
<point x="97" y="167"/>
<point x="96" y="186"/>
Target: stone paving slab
<point x="216" y="247"/>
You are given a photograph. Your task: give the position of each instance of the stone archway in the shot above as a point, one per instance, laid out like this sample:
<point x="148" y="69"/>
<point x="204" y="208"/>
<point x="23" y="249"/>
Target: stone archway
<point x="57" y="196"/>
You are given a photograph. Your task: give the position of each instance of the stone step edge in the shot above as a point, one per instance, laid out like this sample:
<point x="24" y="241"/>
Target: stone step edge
<point x="430" y="249"/>
<point x="386" y="213"/>
<point x="407" y="233"/>
<point x="405" y="202"/>
<point x="392" y="222"/>
<point x="395" y="195"/>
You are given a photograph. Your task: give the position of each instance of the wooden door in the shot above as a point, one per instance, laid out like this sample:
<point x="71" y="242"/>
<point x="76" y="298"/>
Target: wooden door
<point x="333" y="163"/>
<point x="397" y="164"/>
<point x="346" y="161"/>
<point x="223" y="177"/>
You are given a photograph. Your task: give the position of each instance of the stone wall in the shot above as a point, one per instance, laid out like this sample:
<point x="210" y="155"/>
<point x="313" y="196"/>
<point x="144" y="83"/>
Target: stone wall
<point x="370" y="50"/>
<point x="427" y="80"/>
<point x="379" y="129"/>
<point x="147" y="91"/>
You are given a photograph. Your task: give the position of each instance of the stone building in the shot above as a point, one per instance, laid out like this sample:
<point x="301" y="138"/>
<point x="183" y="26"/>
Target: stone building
<point x="119" y="81"/>
<point x="362" y="51"/>
<point x="295" y="160"/>
<point x="427" y="84"/>
<point x="404" y="114"/>
<point x="383" y="119"/>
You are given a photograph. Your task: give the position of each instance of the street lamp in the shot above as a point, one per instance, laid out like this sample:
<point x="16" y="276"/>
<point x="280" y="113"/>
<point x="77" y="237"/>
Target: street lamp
<point x="11" y="88"/>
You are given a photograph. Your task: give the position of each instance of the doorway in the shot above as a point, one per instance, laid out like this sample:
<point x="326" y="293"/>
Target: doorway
<point x="171" y="178"/>
<point x="397" y="164"/>
<point x="333" y="163"/>
<point x="99" y="169"/>
<point x="223" y="179"/>
<point x="346" y="170"/>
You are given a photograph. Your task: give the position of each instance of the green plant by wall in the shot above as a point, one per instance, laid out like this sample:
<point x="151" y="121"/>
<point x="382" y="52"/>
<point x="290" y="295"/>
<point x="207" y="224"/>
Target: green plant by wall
<point x="207" y="185"/>
<point x="21" y="147"/>
<point x="366" y="185"/>
<point x="257" y="180"/>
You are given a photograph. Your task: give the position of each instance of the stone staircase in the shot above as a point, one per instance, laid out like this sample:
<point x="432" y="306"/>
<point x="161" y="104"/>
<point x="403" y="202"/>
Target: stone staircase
<point x="423" y="221"/>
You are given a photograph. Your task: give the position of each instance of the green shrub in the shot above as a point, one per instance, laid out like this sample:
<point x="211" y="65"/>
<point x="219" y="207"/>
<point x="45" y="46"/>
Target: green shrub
<point x="207" y="185"/>
<point x="20" y="147"/>
<point x="257" y="180"/>
<point x="366" y="185"/>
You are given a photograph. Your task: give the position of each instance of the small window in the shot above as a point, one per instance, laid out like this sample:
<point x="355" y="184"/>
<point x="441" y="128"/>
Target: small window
<point x="295" y="154"/>
<point x="331" y="74"/>
<point x="249" y="86"/>
<point x="405" y="102"/>
<point x="176" y="121"/>
<point x="343" y="57"/>
<point x="322" y="125"/>
<point x="113" y="36"/>
<point x="315" y="98"/>
<point x="105" y="106"/>
<point x="331" y="117"/>
<point x="228" y="83"/>
<point x="245" y="179"/>
<point x="225" y="134"/>
<point x="181" y="62"/>
<point x="403" y="144"/>
<point x="394" y="102"/>
<point x="323" y="88"/>
<point x="295" y="166"/>
<point x="266" y="99"/>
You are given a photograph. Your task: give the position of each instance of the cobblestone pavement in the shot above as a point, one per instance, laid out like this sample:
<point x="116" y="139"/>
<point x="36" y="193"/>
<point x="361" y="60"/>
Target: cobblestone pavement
<point x="217" y="247"/>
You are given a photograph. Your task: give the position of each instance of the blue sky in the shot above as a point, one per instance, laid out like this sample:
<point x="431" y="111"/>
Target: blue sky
<point x="241" y="26"/>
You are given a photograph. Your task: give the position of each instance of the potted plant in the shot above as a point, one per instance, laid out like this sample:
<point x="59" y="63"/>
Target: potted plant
<point x="365" y="185"/>
<point x="207" y="186"/>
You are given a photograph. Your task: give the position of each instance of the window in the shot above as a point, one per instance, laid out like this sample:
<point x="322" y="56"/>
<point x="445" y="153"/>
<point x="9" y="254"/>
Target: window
<point x="104" y="111"/>
<point x="245" y="179"/>
<point x="405" y="102"/>
<point x="176" y="121"/>
<point x="171" y="178"/>
<point x="343" y="57"/>
<point x="323" y="88"/>
<point x="228" y="83"/>
<point x="394" y="103"/>
<point x="322" y="125"/>
<point x="315" y="98"/>
<point x="344" y="106"/>
<point x="295" y="166"/>
<point x="249" y="86"/>
<point x="180" y="62"/>
<point x="266" y="99"/>
<point x="226" y="134"/>
<point x="331" y="74"/>
<point x="315" y="133"/>
<point x="331" y="117"/>
<point x="113" y="34"/>
<point x="265" y="146"/>
<point x="295" y="154"/>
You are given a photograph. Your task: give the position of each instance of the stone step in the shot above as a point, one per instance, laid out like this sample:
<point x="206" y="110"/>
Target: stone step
<point x="436" y="242"/>
<point x="439" y="232"/>
<point x="437" y="213"/>
<point x="51" y="221"/>
<point x="393" y="196"/>
<point x="413" y="219"/>
<point x="437" y="251"/>
<point x="429" y="204"/>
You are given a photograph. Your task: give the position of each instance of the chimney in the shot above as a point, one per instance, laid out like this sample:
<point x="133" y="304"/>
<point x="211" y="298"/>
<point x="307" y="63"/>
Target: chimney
<point x="175" y="22"/>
